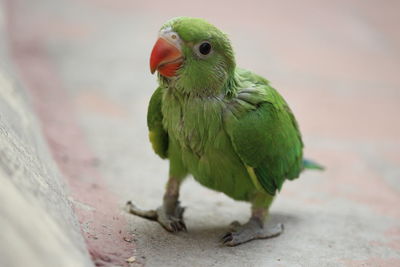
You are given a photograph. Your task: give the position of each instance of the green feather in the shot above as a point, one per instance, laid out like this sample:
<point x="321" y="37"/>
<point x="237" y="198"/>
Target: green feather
<point x="312" y="165"/>
<point x="266" y="137"/>
<point x="157" y="134"/>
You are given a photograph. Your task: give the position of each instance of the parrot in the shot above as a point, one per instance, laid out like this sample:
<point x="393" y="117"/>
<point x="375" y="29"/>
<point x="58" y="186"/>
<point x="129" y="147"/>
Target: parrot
<point x="224" y="125"/>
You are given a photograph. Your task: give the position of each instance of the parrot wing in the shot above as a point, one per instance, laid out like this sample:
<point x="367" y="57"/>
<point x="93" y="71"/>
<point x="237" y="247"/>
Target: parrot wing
<point x="157" y="134"/>
<point x="264" y="134"/>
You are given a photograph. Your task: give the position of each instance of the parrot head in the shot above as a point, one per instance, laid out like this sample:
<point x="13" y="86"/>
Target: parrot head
<point x="193" y="53"/>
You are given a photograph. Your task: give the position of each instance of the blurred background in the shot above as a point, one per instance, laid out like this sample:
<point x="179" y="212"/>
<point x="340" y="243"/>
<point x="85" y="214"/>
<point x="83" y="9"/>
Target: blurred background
<point x="85" y="67"/>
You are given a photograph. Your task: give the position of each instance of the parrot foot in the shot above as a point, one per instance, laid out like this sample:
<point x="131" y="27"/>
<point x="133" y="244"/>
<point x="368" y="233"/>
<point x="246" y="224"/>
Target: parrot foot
<point x="253" y="229"/>
<point x="171" y="218"/>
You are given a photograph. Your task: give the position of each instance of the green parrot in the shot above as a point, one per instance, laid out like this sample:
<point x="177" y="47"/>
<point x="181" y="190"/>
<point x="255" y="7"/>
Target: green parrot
<point x="224" y="125"/>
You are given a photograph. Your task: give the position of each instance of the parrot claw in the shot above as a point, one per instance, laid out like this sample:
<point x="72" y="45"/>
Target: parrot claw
<point x="176" y="226"/>
<point x="170" y="221"/>
<point x="225" y="238"/>
<point x="254" y="229"/>
<point x="171" y="218"/>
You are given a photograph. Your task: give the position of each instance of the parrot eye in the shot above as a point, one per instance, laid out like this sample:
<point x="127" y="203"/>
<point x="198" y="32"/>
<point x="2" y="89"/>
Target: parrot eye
<point x="205" y="48"/>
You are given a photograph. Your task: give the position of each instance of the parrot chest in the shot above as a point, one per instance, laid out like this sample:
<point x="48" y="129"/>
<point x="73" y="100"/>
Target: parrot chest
<point x="192" y="122"/>
<point x="196" y="127"/>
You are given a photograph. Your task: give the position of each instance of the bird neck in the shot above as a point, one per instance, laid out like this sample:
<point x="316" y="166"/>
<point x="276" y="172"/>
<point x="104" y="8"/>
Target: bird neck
<point x="209" y="87"/>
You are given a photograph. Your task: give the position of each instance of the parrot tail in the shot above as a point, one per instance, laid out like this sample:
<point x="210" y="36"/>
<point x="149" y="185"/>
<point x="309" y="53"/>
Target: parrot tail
<point x="312" y="165"/>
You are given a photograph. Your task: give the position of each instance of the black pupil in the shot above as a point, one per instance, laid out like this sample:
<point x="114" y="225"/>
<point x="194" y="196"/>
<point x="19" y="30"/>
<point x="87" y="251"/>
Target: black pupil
<point x="205" y="48"/>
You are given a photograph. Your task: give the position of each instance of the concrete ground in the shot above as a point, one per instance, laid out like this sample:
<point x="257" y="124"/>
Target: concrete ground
<point x="336" y="62"/>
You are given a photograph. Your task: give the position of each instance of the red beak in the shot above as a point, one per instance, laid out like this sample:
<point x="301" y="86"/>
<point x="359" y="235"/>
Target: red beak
<point x="165" y="57"/>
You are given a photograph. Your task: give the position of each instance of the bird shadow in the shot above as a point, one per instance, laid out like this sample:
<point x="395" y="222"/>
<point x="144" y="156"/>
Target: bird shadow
<point x="203" y="239"/>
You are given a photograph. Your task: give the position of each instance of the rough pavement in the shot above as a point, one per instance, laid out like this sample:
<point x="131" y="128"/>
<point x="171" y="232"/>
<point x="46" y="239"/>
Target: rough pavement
<point x="337" y="65"/>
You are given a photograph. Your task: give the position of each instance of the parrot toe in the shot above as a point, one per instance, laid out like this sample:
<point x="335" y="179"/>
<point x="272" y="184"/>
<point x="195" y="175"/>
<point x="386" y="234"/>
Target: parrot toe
<point x="250" y="231"/>
<point x="174" y="225"/>
<point x="170" y="218"/>
<point x="147" y="214"/>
